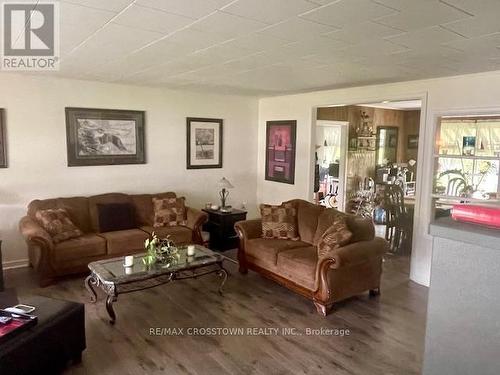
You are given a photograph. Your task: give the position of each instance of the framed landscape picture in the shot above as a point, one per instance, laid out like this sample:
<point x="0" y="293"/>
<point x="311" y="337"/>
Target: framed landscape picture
<point x="104" y="137"/>
<point x="204" y="143"/>
<point x="3" y="147"/>
<point x="280" y="151"/>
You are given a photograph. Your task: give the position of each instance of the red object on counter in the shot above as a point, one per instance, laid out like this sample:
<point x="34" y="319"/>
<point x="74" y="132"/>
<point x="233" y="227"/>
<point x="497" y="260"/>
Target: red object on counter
<point x="484" y="215"/>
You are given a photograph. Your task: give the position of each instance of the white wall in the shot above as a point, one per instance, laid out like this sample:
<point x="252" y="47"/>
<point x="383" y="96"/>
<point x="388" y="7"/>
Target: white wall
<point x="476" y="93"/>
<point x="36" y="140"/>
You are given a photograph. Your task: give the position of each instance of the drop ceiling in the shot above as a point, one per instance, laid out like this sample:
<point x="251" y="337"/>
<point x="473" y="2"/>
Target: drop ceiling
<point x="271" y="47"/>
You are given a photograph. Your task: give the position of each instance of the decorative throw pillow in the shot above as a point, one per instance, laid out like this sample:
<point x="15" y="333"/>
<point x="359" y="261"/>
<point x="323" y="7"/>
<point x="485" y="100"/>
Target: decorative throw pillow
<point x="169" y="212"/>
<point x="58" y="224"/>
<point x="115" y="216"/>
<point x="279" y="221"/>
<point x="337" y="235"/>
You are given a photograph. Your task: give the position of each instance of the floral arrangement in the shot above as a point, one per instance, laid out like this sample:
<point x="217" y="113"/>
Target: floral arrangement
<point x="160" y="251"/>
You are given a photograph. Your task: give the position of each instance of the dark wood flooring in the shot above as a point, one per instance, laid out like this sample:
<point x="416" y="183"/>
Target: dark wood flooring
<point x="386" y="332"/>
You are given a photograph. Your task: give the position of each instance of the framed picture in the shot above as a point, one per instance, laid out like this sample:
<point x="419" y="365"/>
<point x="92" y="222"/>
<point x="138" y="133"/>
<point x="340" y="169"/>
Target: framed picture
<point x="413" y="141"/>
<point x="280" y="151"/>
<point x="3" y="147"/>
<point x="204" y="143"/>
<point x="104" y="137"/>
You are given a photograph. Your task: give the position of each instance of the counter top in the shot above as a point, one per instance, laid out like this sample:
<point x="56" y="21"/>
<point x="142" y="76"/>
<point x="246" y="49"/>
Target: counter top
<point x="465" y="232"/>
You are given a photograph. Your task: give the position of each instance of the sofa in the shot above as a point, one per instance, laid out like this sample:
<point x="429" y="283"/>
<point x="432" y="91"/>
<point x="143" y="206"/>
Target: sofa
<point x="52" y="260"/>
<point x="341" y="273"/>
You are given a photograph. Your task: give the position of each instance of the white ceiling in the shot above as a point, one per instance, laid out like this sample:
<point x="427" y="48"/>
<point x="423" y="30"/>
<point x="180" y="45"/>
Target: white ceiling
<point x="269" y="47"/>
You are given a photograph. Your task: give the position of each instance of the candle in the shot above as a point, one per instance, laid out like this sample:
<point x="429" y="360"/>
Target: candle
<point x="129" y="261"/>
<point x="190" y="250"/>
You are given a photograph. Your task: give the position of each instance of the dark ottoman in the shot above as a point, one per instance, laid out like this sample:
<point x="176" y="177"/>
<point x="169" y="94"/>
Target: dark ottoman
<point x="46" y="348"/>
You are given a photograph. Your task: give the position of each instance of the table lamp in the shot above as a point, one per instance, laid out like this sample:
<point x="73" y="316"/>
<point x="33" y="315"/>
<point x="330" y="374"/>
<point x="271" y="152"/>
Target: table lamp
<point x="224" y="193"/>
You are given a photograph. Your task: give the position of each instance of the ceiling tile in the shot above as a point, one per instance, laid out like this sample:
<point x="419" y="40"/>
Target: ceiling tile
<point x="475" y="7"/>
<point x="297" y="29"/>
<point x="228" y="25"/>
<point x="257" y="42"/>
<point x="415" y="15"/>
<point x="356" y="33"/>
<point x="151" y="19"/>
<point x="476" y="26"/>
<point x="269" y="11"/>
<point x="422" y="39"/>
<point x="74" y="14"/>
<point x="188" y="8"/>
<point x="484" y="46"/>
<point x="343" y="13"/>
<point x="197" y="39"/>
<point x="113" y="5"/>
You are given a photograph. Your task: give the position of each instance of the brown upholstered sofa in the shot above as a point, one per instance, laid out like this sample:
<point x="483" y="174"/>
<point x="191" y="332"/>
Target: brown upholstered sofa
<point x="72" y="256"/>
<point x="342" y="273"/>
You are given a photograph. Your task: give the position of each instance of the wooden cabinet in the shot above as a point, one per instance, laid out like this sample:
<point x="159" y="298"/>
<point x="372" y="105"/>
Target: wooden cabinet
<point x="220" y="225"/>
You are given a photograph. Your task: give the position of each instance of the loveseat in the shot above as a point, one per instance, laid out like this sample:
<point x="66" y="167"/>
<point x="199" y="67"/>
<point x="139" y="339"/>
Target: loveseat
<point x="51" y="259"/>
<point x="339" y="274"/>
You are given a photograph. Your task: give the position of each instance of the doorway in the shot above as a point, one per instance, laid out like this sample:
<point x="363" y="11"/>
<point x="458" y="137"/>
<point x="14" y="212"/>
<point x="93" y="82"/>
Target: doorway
<point x="331" y="157"/>
<point x="380" y="165"/>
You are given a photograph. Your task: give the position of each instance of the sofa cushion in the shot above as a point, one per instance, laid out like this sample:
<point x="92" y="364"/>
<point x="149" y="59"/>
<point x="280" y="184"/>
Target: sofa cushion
<point x="307" y="219"/>
<point x="180" y="235"/>
<point x="143" y="204"/>
<point x="169" y="212"/>
<point x="125" y="241"/>
<point x="299" y="266"/>
<point x="279" y="222"/>
<point x="325" y="220"/>
<point x="267" y="249"/>
<point x="103" y="199"/>
<point x="58" y="224"/>
<point x="88" y="245"/>
<point x="116" y="216"/>
<point x="337" y="235"/>
<point x="78" y="210"/>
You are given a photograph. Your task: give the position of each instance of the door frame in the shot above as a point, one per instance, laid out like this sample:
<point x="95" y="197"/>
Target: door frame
<point x="344" y="143"/>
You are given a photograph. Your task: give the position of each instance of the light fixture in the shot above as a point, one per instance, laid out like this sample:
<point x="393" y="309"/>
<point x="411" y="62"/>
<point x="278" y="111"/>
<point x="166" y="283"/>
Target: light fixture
<point x="224" y="193"/>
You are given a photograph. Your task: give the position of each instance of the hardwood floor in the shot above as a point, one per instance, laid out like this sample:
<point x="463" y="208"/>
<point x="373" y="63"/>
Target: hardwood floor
<point x="386" y="332"/>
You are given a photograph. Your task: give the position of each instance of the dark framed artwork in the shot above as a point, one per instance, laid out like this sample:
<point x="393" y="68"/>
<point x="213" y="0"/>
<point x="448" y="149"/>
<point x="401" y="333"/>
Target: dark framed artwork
<point x="280" y="151"/>
<point x="413" y="141"/>
<point x="3" y="146"/>
<point x="204" y="143"/>
<point x="104" y="136"/>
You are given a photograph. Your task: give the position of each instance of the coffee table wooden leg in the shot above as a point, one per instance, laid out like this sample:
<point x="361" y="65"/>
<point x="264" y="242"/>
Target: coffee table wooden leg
<point x="109" y="308"/>
<point x="222" y="273"/>
<point x="89" y="281"/>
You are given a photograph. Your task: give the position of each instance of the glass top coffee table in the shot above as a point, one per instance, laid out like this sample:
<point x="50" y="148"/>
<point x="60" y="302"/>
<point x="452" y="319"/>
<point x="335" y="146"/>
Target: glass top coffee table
<point x="114" y="278"/>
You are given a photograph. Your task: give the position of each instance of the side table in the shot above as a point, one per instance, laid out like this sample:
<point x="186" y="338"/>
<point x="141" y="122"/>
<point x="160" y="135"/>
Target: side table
<point x="220" y="225"/>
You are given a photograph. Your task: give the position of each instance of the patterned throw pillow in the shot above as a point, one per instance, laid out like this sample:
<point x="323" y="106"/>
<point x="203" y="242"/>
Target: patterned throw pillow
<point x="58" y="224"/>
<point x="337" y="235"/>
<point x="279" y="221"/>
<point x="169" y="212"/>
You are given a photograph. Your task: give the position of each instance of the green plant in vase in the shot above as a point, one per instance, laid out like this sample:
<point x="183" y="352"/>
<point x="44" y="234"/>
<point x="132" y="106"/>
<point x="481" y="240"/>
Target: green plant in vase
<point x="151" y="246"/>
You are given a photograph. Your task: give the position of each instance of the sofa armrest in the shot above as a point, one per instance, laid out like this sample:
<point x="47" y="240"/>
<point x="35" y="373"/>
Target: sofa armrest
<point x="355" y="253"/>
<point x="249" y="229"/>
<point x="195" y="220"/>
<point x="35" y="234"/>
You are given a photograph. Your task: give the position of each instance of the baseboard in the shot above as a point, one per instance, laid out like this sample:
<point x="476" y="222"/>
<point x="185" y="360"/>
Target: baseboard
<point x="11" y="264"/>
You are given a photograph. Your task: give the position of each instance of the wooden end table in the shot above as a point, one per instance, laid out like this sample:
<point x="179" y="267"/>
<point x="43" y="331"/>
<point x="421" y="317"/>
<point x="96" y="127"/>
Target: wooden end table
<point x="220" y="225"/>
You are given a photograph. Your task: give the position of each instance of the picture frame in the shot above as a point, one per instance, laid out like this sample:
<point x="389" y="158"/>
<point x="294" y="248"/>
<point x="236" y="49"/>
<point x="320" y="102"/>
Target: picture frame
<point x="3" y="140"/>
<point x="104" y="136"/>
<point x="204" y="143"/>
<point x="281" y="146"/>
<point x="413" y="141"/>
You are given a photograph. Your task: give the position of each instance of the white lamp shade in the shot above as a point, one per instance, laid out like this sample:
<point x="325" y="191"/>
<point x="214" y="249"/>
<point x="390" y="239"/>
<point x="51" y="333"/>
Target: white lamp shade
<point x="224" y="183"/>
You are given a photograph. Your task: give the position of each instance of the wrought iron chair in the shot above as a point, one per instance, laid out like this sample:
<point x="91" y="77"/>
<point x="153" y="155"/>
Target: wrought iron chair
<point x="455" y="187"/>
